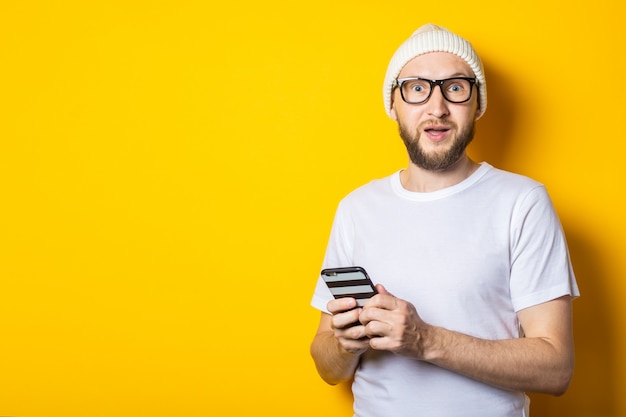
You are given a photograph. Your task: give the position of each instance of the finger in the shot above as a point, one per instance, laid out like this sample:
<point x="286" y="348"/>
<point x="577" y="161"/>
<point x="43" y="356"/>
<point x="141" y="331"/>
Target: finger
<point x="383" y="300"/>
<point x="377" y="329"/>
<point x="382" y="290"/>
<point x="380" y="343"/>
<point x="355" y="346"/>
<point x="352" y="337"/>
<point x="341" y="304"/>
<point x="345" y="319"/>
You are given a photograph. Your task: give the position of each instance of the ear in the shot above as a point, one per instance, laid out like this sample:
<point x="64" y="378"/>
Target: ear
<point x="479" y="112"/>
<point x="392" y="114"/>
<point x="392" y="110"/>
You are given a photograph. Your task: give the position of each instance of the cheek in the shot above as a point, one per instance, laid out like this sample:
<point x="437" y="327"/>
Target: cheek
<point x="406" y="112"/>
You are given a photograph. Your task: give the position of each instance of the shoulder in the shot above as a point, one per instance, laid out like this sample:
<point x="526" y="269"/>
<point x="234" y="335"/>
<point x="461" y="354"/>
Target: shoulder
<point x="505" y="184"/>
<point x="510" y="179"/>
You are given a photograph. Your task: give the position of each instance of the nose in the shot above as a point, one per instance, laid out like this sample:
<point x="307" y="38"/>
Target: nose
<point x="437" y="104"/>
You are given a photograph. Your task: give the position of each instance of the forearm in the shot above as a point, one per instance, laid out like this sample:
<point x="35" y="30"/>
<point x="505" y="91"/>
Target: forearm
<point x="542" y="361"/>
<point x="526" y="364"/>
<point x="333" y="362"/>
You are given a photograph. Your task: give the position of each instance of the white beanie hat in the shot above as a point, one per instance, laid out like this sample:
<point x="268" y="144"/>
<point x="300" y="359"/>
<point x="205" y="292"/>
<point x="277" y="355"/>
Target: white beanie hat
<point x="432" y="38"/>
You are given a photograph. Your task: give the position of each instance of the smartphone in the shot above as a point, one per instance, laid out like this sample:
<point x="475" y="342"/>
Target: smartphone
<point x="351" y="281"/>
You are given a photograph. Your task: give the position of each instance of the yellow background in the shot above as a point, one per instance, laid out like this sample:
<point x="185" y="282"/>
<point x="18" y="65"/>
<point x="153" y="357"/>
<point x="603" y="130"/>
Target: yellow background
<point x="169" y="171"/>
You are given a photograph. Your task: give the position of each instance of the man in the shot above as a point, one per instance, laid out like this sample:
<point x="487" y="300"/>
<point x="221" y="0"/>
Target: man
<point x="472" y="268"/>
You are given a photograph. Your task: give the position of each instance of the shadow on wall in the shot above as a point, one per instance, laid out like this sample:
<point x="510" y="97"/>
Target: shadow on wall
<point x="494" y="129"/>
<point x="593" y="390"/>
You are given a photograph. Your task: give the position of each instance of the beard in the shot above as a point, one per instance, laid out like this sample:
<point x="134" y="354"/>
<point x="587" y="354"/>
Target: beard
<point x="436" y="161"/>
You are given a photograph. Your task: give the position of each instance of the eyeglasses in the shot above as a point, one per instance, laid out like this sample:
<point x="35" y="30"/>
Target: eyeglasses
<point x="418" y="90"/>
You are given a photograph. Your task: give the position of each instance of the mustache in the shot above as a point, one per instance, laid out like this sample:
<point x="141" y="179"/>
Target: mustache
<point x="428" y="124"/>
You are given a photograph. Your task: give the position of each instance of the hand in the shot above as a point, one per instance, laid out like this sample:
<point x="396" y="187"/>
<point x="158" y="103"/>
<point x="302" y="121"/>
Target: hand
<point x="346" y="327"/>
<point x="394" y="325"/>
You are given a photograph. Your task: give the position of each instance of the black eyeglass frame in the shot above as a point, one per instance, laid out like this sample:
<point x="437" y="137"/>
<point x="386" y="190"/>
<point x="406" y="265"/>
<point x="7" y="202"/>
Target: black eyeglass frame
<point x="433" y="83"/>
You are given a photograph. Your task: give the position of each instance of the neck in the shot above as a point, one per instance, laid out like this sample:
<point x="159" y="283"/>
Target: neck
<point x="421" y="180"/>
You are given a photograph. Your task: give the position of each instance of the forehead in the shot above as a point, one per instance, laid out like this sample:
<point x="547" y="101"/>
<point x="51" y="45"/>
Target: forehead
<point x="436" y="65"/>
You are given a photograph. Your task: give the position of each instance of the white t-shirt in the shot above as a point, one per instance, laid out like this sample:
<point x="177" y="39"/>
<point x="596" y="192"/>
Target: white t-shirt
<point x="468" y="257"/>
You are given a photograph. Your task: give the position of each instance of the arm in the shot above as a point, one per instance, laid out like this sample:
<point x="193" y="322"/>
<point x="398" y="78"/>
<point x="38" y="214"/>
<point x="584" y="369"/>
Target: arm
<point x="542" y="361"/>
<point x="338" y="344"/>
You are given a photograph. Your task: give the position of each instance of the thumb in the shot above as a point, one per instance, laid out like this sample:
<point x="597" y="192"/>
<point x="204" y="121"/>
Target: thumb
<point x="382" y="290"/>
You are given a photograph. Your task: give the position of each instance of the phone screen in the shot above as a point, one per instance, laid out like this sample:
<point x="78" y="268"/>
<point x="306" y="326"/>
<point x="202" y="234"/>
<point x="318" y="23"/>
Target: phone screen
<point x="350" y="281"/>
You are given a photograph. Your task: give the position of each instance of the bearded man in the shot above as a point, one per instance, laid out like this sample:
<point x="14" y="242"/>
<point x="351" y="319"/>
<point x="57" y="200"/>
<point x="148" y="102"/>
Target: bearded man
<point x="474" y="279"/>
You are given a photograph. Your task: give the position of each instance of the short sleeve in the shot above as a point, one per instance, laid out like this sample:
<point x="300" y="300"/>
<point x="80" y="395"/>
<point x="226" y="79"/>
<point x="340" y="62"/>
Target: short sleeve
<point x="338" y="253"/>
<point x="541" y="269"/>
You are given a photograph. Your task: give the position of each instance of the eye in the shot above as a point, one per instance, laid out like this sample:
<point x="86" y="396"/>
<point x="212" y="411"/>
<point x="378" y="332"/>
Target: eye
<point x="416" y="86"/>
<point x="456" y="88"/>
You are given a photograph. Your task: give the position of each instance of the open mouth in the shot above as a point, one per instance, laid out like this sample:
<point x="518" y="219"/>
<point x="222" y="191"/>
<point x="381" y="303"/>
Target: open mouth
<point x="437" y="129"/>
<point x="437" y="132"/>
